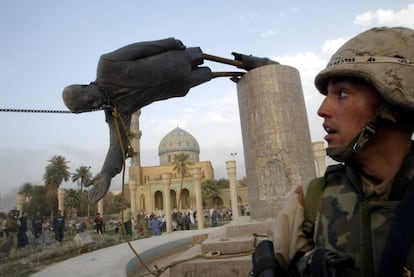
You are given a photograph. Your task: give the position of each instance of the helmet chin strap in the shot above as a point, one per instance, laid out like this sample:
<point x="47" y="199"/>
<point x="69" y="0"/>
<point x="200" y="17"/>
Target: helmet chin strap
<point x="345" y="153"/>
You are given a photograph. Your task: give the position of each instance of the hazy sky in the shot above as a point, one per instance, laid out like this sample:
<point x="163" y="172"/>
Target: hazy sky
<point x="47" y="45"/>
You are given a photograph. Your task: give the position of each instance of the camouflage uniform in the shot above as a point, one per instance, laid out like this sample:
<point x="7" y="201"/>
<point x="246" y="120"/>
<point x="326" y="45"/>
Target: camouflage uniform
<point x="347" y="212"/>
<point x="356" y="216"/>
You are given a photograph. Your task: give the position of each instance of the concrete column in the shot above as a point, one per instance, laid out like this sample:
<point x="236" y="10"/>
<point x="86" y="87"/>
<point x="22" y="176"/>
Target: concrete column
<point x="135" y="139"/>
<point x="276" y="138"/>
<point x="166" y="178"/>
<point x="101" y="207"/>
<point x="133" y="199"/>
<point x="231" y="172"/>
<point x="20" y="198"/>
<point x="61" y="200"/>
<point x="320" y="155"/>
<point x="196" y="179"/>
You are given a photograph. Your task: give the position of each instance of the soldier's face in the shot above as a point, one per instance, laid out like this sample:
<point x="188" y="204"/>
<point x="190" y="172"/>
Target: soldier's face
<point x="349" y="104"/>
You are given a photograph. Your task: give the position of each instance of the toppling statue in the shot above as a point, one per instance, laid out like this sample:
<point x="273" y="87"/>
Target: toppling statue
<point x="137" y="75"/>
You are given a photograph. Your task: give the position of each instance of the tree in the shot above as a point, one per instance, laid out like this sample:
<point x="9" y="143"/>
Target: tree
<point x="182" y="168"/>
<point x="82" y="176"/>
<point x="38" y="201"/>
<point x="57" y="171"/>
<point x="209" y="189"/>
<point x="72" y="201"/>
<point x="26" y="189"/>
<point x="243" y="182"/>
<point x="223" y="183"/>
<point x="117" y="201"/>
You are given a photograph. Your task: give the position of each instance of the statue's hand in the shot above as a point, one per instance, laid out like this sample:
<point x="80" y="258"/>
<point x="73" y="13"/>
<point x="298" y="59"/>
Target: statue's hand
<point x="249" y="62"/>
<point x="101" y="184"/>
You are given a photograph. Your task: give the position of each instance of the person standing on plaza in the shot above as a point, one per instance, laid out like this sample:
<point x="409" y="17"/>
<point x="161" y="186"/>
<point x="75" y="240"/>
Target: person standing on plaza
<point x="126" y="219"/>
<point x="59" y="226"/>
<point x="37" y="222"/>
<point x="99" y="223"/>
<point x="12" y="229"/>
<point x="155" y="224"/>
<point x="44" y="237"/>
<point x="22" y="239"/>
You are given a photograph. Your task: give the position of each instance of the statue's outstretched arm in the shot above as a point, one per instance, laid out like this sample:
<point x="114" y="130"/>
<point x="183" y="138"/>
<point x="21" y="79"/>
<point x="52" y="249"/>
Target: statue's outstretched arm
<point x="136" y="75"/>
<point x="115" y="156"/>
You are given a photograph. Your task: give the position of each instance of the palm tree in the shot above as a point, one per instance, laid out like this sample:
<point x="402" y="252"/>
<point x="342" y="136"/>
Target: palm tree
<point x="82" y="176"/>
<point x="182" y="167"/>
<point x="72" y="200"/>
<point x="57" y="171"/>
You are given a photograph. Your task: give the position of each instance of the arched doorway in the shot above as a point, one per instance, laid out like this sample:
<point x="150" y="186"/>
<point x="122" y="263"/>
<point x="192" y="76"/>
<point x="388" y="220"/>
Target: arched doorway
<point x="173" y="196"/>
<point x="142" y="202"/>
<point x="185" y="199"/>
<point x="158" y="200"/>
<point x="218" y="203"/>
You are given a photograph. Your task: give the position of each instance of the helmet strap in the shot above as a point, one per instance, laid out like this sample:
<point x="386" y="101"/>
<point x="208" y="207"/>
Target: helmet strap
<point x="345" y="153"/>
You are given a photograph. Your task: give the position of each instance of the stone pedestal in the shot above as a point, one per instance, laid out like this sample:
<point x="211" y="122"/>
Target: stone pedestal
<point x="276" y="139"/>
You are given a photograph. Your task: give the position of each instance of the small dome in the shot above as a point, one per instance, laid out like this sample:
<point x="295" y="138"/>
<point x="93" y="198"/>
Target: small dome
<point x="175" y="142"/>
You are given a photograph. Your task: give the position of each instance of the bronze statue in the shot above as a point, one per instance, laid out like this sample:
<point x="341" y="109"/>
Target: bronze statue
<point x="134" y="76"/>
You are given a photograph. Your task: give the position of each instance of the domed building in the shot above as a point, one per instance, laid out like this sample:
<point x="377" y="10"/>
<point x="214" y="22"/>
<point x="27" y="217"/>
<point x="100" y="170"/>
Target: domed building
<point x="175" y="142"/>
<point x="146" y="183"/>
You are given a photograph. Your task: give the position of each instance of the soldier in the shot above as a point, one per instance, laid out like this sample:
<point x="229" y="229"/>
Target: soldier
<point x="12" y="230"/>
<point x="358" y="219"/>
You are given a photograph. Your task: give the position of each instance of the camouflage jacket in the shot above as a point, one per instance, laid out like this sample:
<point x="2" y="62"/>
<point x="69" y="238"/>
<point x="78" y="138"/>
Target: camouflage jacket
<point x="351" y="224"/>
<point x="11" y="224"/>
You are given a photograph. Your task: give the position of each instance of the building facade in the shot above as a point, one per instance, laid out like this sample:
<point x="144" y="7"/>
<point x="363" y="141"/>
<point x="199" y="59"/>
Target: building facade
<point x="146" y="186"/>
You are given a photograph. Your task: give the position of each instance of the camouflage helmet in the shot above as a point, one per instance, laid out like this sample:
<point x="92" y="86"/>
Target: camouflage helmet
<point x="384" y="57"/>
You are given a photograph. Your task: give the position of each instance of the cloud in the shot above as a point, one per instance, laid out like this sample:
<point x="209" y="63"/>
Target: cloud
<point x="382" y="17"/>
<point x="308" y="64"/>
<point x="330" y="46"/>
<point x="248" y="17"/>
<point x="268" y="33"/>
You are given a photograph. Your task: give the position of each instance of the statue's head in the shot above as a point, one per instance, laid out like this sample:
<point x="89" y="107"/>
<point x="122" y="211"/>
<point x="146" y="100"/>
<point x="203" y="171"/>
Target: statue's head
<point x="81" y="98"/>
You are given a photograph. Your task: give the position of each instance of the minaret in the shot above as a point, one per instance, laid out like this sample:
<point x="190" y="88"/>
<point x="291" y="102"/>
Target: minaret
<point x="135" y="168"/>
<point x="135" y="138"/>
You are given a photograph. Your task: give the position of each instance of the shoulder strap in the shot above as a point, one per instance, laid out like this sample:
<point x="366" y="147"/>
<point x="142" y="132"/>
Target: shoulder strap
<point x="312" y="205"/>
<point x="400" y="237"/>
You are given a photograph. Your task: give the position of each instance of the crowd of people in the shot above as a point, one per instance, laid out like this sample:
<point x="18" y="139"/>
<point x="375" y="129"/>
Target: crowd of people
<point x="18" y="229"/>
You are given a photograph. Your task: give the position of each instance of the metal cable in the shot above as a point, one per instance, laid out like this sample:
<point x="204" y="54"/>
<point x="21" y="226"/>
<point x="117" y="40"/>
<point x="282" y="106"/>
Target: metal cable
<point x="50" y="111"/>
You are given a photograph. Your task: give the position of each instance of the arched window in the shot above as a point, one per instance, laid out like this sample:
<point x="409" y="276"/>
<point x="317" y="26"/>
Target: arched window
<point x="158" y="200"/>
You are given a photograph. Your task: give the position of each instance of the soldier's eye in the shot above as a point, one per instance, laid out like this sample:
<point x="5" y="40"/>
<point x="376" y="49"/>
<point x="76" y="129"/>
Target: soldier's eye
<point x="343" y="94"/>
